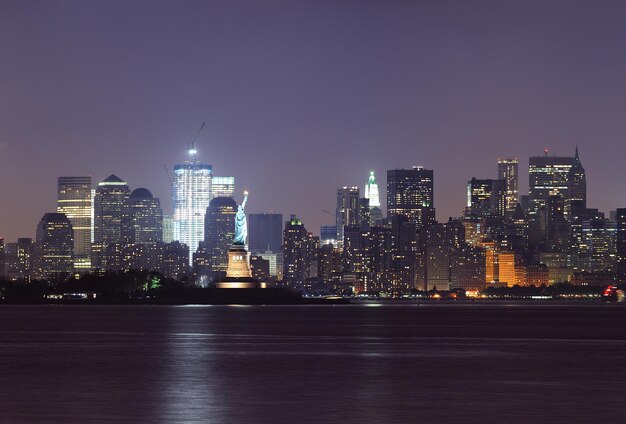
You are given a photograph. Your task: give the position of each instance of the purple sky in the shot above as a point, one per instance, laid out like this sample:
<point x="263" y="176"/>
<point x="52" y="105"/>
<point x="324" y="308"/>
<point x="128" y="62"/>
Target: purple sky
<point x="303" y="97"/>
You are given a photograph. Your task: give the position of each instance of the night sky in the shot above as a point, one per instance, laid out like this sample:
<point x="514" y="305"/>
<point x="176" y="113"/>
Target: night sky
<point x="303" y="97"/>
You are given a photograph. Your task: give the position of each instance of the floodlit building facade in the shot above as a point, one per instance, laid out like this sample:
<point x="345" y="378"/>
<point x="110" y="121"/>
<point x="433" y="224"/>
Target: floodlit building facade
<point x="222" y="186"/>
<point x="191" y="195"/>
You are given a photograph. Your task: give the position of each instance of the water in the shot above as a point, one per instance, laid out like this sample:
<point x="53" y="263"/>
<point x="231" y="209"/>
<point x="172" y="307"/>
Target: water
<point x="313" y="364"/>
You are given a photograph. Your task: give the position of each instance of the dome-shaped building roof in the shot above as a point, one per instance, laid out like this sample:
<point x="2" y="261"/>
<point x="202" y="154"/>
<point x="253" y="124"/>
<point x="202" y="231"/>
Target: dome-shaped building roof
<point x="141" y="193"/>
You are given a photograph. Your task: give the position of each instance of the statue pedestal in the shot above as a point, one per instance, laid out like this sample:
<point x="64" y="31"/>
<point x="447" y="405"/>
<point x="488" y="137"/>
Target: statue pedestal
<point x="238" y="273"/>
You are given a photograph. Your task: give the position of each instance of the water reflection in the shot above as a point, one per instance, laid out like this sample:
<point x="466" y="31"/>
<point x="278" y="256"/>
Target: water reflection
<point x="188" y="391"/>
<point x="309" y="364"/>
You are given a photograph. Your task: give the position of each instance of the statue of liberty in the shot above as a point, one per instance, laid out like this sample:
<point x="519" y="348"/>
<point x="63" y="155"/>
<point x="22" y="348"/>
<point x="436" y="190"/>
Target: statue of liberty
<point x="241" y="225"/>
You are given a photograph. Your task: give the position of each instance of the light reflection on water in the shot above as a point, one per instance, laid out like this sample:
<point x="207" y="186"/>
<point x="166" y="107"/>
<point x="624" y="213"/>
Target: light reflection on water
<point x="309" y="364"/>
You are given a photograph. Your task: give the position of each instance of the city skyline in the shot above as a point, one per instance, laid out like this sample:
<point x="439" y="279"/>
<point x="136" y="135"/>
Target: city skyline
<point x="322" y="108"/>
<point x="330" y="211"/>
<point x="322" y="214"/>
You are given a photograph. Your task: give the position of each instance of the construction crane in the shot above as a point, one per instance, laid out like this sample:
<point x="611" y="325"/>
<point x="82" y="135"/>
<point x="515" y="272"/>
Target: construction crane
<point x="167" y="172"/>
<point x="192" y="145"/>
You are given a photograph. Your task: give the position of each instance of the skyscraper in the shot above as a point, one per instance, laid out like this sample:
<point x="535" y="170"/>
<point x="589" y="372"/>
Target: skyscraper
<point x="109" y="204"/>
<point x="410" y="194"/>
<point x="508" y="171"/>
<point x="347" y="212"/>
<point x="371" y="191"/>
<point x="222" y="186"/>
<point x="265" y="232"/>
<point x="328" y="235"/>
<point x="74" y="200"/>
<point x="55" y="247"/>
<point x="18" y="258"/>
<point x="372" y="194"/>
<point x="143" y="218"/>
<point x="219" y="231"/>
<point x="295" y="238"/>
<point x="486" y="197"/>
<point x="168" y="229"/>
<point x="547" y="176"/>
<point x="364" y="213"/>
<point x="2" y="262"/>
<point x="576" y="201"/>
<point x="191" y="194"/>
<point x="620" y="242"/>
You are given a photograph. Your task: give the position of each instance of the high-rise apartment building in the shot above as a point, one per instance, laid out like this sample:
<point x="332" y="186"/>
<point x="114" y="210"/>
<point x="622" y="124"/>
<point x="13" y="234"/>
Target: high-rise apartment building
<point x="410" y="194"/>
<point x="508" y="170"/>
<point x="347" y="212"/>
<point x="55" y="247"/>
<point x="74" y="200"/>
<point x="265" y="232"/>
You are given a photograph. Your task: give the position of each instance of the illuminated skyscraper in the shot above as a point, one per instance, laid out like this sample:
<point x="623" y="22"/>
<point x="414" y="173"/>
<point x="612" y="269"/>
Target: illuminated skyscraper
<point x="295" y="238"/>
<point x="143" y="218"/>
<point x="222" y="186"/>
<point x="486" y="197"/>
<point x="168" y="229"/>
<point x="620" y="242"/>
<point x="508" y="171"/>
<point x="109" y="202"/>
<point x="547" y="176"/>
<point x="18" y="259"/>
<point x="576" y="202"/>
<point x="347" y="212"/>
<point x="372" y="194"/>
<point x="1" y="257"/>
<point x="75" y="201"/>
<point x="191" y="194"/>
<point x="410" y="194"/>
<point x="371" y="191"/>
<point x="111" y="197"/>
<point x="55" y="247"/>
<point x="328" y="235"/>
